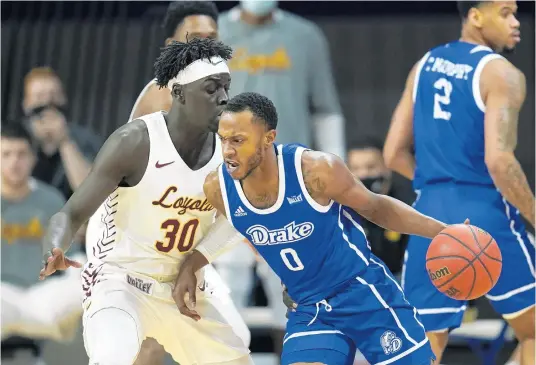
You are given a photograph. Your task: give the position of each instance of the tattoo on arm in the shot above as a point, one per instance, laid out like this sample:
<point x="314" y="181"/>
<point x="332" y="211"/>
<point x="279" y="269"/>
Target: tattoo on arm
<point x="509" y="176"/>
<point x="509" y="114"/>
<point x="313" y="183"/>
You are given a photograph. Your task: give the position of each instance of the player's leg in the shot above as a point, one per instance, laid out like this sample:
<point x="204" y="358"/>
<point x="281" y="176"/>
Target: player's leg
<point x="151" y="353"/>
<point x="208" y="341"/>
<point x="515" y="357"/>
<point x="523" y="326"/>
<point x="438" y="313"/>
<point x="390" y="330"/>
<point x="308" y="341"/>
<point x="113" y="327"/>
<point x="513" y="296"/>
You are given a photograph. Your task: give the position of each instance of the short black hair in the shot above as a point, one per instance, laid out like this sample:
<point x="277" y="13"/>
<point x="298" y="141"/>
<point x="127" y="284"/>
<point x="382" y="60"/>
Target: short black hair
<point x="16" y="130"/>
<point x="364" y="142"/>
<point x="177" y="55"/>
<point x="465" y="6"/>
<point x="178" y="10"/>
<point x="259" y="105"/>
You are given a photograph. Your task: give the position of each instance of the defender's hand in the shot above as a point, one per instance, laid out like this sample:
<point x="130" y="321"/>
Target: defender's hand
<point x="186" y="284"/>
<point x="291" y="305"/>
<point x="56" y="260"/>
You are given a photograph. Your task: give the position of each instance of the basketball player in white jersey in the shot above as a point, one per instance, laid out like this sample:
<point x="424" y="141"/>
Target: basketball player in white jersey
<point x="192" y="19"/>
<point x="149" y="175"/>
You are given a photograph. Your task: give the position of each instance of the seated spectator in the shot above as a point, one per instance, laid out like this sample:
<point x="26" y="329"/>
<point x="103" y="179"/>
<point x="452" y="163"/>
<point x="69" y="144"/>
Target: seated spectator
<point x="27" y="205"/>
<point x="65" y="150"/>
<point x="365" y="160"/>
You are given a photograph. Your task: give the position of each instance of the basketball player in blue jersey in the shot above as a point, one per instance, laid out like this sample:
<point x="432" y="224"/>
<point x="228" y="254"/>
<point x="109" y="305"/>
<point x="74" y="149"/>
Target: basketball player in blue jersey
<point x="459" y="113"/>
<point x="299" y="209"/>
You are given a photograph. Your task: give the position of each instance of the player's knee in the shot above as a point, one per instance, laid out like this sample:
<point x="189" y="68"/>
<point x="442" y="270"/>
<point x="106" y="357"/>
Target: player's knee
<point x="523" y="324"/>
<point x="151" y="352"/>
<point x="112" y="337"/>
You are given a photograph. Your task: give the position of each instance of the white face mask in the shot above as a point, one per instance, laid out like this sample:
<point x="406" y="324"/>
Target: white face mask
<point x="258" y="7"/>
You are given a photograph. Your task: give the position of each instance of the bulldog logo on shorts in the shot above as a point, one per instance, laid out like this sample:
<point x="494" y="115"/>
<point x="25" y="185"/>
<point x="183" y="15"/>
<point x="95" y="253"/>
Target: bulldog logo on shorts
<point x="390" y="343"/>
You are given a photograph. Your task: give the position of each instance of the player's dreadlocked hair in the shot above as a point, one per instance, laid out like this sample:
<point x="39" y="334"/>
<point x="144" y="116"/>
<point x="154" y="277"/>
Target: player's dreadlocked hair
<point x="177" y="55"/>
<point x="260" y="106"/>
<point x="178" y="10"/>
<point x="465" y="6"/>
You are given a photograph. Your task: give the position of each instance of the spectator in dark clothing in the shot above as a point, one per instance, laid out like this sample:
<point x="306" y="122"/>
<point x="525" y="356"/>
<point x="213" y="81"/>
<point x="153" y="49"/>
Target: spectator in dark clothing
<point x="365" y="160"/>
<point x="66" y="150"/>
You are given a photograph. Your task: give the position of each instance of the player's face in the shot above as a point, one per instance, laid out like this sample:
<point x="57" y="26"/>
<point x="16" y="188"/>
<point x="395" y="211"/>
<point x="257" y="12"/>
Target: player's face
<point x="195" y="26"/>
<point x="244" y="143"/>
<point x="500" y="26"/>
<point x="17" y="161"/>
<point x="205" y="99"/>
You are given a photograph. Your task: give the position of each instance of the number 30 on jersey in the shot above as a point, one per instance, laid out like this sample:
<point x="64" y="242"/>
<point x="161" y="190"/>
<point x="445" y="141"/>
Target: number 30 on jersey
<point x="177" y="236"/>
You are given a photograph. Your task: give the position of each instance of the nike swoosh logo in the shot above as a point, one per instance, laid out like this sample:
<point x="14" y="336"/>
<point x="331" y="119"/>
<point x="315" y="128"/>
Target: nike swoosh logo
<point x="159" y="165"/>
<point x="203" y="287"/>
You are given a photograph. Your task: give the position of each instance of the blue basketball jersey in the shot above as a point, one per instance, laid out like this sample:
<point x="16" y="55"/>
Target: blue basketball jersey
<point x="448" y="122"/>
<point x="316" y="250"/>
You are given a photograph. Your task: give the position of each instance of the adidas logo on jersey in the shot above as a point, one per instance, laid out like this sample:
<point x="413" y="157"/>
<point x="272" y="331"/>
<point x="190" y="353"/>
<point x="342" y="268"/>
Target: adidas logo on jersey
<point x="295" y="199"/>
<point x="240" y="212"/>
<point x="292" y="232"/>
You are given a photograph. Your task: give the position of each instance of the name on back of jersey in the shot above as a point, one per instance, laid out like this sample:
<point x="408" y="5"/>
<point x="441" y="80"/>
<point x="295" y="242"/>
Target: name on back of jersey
<point x="446" y="67"/>
<point x="292" y="232"/>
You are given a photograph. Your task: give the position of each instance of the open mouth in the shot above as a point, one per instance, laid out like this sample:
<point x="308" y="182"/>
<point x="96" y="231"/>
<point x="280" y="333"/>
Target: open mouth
<point x="231" y="166"/>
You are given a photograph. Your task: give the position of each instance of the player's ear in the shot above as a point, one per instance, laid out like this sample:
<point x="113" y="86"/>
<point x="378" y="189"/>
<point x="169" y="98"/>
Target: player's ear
<point x="177" y="92"/>
<point x="269" y="137"/>
<point x="476" y="17"/>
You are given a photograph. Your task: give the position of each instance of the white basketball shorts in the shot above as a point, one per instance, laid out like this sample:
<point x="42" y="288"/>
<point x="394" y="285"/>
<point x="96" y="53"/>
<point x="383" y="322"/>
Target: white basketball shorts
<point x="124" y="308"/>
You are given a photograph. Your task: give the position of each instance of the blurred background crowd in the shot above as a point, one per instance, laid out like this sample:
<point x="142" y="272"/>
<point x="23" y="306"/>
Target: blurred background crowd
<point x="71" y="72"/>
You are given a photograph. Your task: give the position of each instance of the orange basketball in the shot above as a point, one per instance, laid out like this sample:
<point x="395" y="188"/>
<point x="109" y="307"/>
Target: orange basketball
<point x="464" y="262"/>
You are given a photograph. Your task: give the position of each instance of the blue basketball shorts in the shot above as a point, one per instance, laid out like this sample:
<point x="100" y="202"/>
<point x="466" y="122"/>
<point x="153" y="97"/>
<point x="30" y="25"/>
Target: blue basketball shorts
<point x="486" y="208"/>
<point x="370" y="313"/>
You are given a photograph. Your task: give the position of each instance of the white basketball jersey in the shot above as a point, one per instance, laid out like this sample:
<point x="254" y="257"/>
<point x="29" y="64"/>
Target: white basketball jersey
<point x="148" y="228"/>
<point x="95" y="223"/>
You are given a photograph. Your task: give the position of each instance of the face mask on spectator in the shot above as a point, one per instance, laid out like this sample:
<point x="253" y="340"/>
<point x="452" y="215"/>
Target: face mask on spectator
<point x="258" y="8"/>
<point x="375" y="183"/>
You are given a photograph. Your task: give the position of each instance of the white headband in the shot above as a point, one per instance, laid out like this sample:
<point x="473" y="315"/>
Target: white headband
<point x="199" y="69"/>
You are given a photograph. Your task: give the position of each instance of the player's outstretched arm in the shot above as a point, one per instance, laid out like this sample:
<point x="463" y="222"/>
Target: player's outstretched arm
<point x="503" y="90"/>
<point x="119" y="158"/>
<point x="398" y="147"/>
<point x="327" y="177"/>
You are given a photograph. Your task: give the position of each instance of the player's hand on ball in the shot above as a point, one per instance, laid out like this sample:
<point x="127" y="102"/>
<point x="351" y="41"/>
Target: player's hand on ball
<point x="55" y="259"/>
<point x="186" y="284"/>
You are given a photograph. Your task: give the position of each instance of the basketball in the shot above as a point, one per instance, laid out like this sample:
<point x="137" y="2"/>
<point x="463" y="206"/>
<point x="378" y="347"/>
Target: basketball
<point x="464" y="262"/>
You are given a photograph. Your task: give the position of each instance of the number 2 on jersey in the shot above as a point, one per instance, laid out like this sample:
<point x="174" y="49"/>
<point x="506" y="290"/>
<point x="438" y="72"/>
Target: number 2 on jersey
<point x="185" y="240"/>
<point x="445" y="86"/>
<point x="291" y="259"/>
